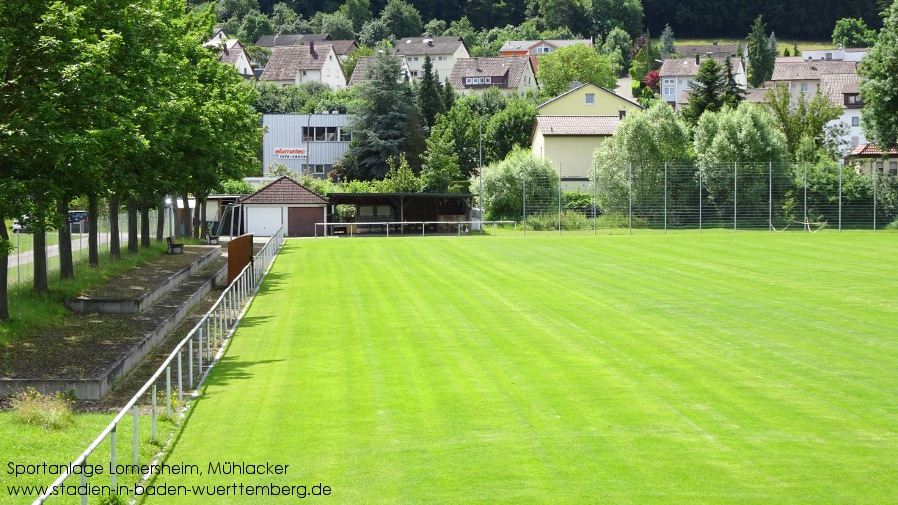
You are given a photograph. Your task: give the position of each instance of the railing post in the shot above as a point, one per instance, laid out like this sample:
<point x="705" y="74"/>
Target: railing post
<point x="112" y="457"/>
<point x="154" y="412"/>
<point x="199" y="352"/>
<point x="83" y="482"/>
<point x="190" y="363"/>
<point x="735" y="188"/>
<point x="840" y="197"/>
<point x="168" y="392"/>
<point x="135" y="437"/>
<point x="665" y="197"/>
<point x="180" y="377"/>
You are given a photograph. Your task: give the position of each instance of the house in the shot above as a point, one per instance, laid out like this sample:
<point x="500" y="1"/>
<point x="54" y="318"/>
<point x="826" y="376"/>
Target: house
<point x="305" y="142"/>
<point x="360" y="72"/>
<point x="803" y="75"/>
<point x="272" y="41"/>
<point x="715" y="50"/>
<point x="233" y="53"/>
<point x="838" y="54"/>
<point x="842" y="90"/>
<point x="677" y="76"/>
<point x="538" y="47"/>
<point x="508" y="74"/>
<point x="315" y="62"/>
<point x="587" y="99"/>
<point x="283" y="202"/>
<point x="873" y="161"/>
<point x="443" y="51"/>
<point x="571" y="126"/>
<point x="216" y="38"/>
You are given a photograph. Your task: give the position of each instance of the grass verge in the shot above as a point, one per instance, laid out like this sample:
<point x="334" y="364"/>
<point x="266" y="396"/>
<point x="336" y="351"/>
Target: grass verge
<point x="30" y="310"/>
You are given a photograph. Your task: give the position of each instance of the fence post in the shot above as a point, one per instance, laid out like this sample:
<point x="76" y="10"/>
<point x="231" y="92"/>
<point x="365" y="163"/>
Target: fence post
<point x="595" y="194"/>
<point x="112" y="457"/>
<point x="840" y="197"/>
<point x="665" y="197"/>
<point x="735" y="196"/>
<point x="168" y="391"/>
<point x="700" y="199"/>
<point x="770" y="196"/>
<point x="180" y="377"/>
<point x="874" y="197"/>
<point x="630" y="197"/>
<point x="154" y="413"/>
<point x="84" y="482"/>
<point x="559" y="206"/>
<point x="524" y="199"/>
<point x="807" y="222"/>
<point x="190" y="363"/>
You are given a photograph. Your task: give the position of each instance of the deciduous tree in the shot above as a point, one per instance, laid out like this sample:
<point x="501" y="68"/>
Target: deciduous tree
<point x="574" y="63"/>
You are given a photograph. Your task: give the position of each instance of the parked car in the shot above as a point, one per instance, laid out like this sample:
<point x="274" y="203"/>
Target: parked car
<point x="78" y="221"/>
<point x="18" y="225"/>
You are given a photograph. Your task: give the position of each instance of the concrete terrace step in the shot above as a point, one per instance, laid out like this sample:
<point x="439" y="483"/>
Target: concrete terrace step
<point x="96" y="373"/>
<point x="140" y="298"/>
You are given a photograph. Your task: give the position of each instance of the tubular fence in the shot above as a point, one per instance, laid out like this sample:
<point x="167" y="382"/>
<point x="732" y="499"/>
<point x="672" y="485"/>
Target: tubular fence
<point x="756" y="196"/>
<point x="410" y="228"/>
<point x="196" y="349"/>
<point x="21" y="268"/>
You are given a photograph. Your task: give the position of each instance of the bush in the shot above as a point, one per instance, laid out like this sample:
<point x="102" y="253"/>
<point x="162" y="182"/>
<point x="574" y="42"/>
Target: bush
<point x="50" y="412"/>
<point x="618" y="220"/>
<point x="570" y="220"/>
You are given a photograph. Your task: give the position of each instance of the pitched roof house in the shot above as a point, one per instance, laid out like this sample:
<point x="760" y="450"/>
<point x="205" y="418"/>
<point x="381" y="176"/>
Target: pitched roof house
<point x="443" y="51"/>
<point x="233" y="53"/>
<point x="843" y="90"/>
<point x="508" y="74"/>
<point x="571" y="126"/>
<point x="803" y="76"/>
<point x="360" y="72"/>
<point x="271" y="41"/>
<point x="537" y="47"/>
<point x="315" y="62"/>
<point x="678" y="74"/>
<point x="715" y="50"/>
<point x="870" y="159"/>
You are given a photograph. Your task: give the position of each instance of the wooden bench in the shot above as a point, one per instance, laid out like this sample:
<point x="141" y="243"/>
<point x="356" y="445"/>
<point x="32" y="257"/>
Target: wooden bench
<point x="174" y="247"/>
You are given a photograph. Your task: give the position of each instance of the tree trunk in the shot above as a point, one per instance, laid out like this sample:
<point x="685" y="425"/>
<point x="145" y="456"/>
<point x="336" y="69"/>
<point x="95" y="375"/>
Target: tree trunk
<point x="40" y="260"/>
<point x="4" y="272"/>
<point x="188" y="230"/>
<point x="115" y="242"/>
<point x="93" y="230"/>
<point x="161" y="216"/>
<point x="205" y="223"/>
<point x="144" y="222"/>
<point x="132" y="225"/>
<point x="66" y="266"/>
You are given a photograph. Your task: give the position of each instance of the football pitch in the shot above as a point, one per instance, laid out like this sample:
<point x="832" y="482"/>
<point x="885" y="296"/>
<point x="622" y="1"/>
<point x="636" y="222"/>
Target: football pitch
<point x="714" y="368"/>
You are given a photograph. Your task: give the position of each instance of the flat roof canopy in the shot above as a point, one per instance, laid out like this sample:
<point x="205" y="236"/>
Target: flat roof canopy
<point x="410" y="206"/>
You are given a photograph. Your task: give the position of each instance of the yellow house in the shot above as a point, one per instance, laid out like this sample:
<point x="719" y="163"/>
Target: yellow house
<point x="587" y="100"/>
<point x="570" y="127"/>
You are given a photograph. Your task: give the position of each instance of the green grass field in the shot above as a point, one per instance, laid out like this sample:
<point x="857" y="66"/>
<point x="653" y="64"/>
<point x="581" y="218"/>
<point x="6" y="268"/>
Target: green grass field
<point x="719" y="368"/>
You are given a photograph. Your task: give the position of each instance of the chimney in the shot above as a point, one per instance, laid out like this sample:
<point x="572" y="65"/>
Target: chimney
<point x="312" y="49"/>
<point x="697" y="57"/>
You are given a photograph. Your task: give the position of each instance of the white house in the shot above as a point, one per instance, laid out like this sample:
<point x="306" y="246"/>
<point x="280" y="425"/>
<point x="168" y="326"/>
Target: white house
<point x="233" y="53"/>
<point x="843" y="91"/>
<point x="314" y="61"/>
<point x="838" y="54"/>
<point x="443" y="51"/>
<point x="305" y="142"/>
<point x="283" y="202"/>
<point x="538" y="47"/>
<point x="802" y="75"/>
<point x="507" y="74"/>
<point x="677" y="76"/>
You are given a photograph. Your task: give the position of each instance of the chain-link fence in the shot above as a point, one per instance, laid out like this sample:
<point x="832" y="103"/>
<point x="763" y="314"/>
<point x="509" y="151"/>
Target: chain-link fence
<point x="757" y="196"/>
<point x="21" y="259"/>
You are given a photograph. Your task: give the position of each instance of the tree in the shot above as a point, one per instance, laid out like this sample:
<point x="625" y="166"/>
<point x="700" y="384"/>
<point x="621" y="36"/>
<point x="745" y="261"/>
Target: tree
<point x="430" y="97"/>
<point x="707" y="90"/>
<point x="746" y="140"/>
<point x="357" y="11"/>
<point x="805" y="119"/>
<point x="644" y="142"/>
<point x="337" y="25"/>
<point x="667" y="42"/>
<point x="853" y="32"/>
<point x="562" y="13"/>
<point x="254" y="26"/>
<point x="606" y="15"/>
<point x="400" y="178"/>
<point x="760" y="57"/>
<point x="441" y="173"/>
<point x="880" y="94"/>
<point x="374" y="33"/>
<point x="574" y="63"/>
<point x="503" y="185"/>
<point x="460" y="125"/>
<point x="402" y="19"/>
<point x="733" y="94"/>
<point x="508" y="129"/>
<point x="617" y="45"/>
<point x="379" y="118"/>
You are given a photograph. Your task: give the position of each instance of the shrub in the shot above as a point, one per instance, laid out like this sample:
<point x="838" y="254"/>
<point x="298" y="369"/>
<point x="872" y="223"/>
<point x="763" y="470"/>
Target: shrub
<point x="570" y="220"/>
<point x="50" y="412"/>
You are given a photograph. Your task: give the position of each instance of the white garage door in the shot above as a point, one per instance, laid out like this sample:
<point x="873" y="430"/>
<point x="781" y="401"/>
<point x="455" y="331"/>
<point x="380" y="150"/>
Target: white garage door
<point x="263" y="221"/>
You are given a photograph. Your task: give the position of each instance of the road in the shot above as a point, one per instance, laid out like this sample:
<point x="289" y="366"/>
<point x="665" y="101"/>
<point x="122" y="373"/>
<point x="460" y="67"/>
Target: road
<point x="79" y="243"/>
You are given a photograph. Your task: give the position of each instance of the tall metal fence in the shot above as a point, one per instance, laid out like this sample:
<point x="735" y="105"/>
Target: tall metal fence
<point x="21" y="266"/>
<point x="758" y="196"/>
<point x="182" y="371"/>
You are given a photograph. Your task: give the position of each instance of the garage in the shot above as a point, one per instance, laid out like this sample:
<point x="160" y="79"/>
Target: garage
<point x="283" y="202"/>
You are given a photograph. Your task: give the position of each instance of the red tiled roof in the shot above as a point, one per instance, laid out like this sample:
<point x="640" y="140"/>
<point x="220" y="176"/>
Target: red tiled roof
<point x="284" y="190"/>
<point x="578" y="125"/>
<point x="870" y="151"/>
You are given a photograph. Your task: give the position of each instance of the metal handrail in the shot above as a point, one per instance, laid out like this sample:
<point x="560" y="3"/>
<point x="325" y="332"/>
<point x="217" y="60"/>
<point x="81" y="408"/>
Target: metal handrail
<point x="423" y="224"/>
<point x="221" y="318"/>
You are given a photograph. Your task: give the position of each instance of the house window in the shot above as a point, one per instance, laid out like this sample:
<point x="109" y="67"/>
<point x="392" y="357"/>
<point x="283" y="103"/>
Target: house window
<point x="330" y="133"/>
<point x="345" y="135"/>
<point x="855" y="121"/>
<point x="319" y="169"/>
<point x="469" y="80"/>
<point x="487" y="80"/>
<point x="855" y="141"/>
<point x="893" y="168"/>
<point x="442" y="58"/>
<point x="414" y="73"/>
<point x="590" y="99"/>
<point x="879" y="167"/>
<point x="804" y="87"/>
